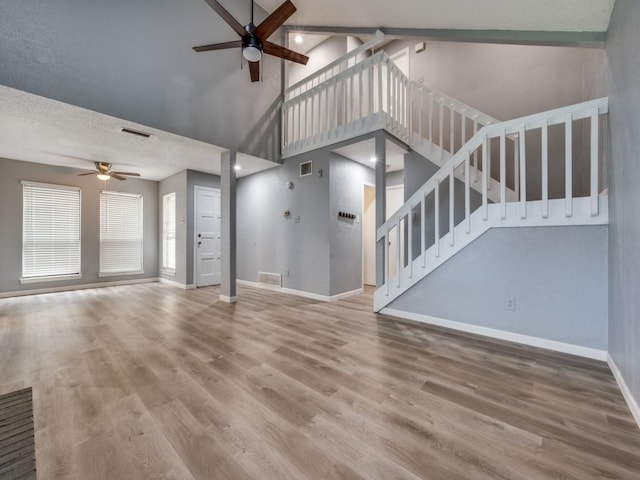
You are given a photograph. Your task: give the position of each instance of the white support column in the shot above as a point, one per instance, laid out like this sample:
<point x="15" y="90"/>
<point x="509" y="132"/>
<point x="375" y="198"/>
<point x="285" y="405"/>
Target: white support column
<point x="228" y="214"/>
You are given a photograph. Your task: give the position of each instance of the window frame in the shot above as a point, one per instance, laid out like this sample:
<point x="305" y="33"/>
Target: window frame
<point x="165" y="268"/>
<point x="27" y="279"/>
<point x="120" y="273"/>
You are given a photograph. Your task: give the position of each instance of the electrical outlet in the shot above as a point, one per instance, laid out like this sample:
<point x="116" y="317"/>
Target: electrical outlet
<point x="511" y="304"/>
<point x="296" y="220"/>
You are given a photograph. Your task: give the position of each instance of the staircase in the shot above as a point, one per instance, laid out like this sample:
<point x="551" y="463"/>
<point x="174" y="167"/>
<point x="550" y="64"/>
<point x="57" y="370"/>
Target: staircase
<point x="482" y="181"/>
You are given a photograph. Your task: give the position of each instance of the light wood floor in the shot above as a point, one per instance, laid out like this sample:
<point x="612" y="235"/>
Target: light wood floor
<point x="151" y="382"/>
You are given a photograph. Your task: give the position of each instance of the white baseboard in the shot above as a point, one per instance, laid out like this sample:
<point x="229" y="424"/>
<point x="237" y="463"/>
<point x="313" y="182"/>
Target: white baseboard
<point x="191" y="286"/>
<point x="70" y="288"/>
<point x="626" y="392"/>
<point x="569" y="348"/>
<point x="172" y="283"/>
<point x="300" y="293"/>
<point x="227" y="299"/>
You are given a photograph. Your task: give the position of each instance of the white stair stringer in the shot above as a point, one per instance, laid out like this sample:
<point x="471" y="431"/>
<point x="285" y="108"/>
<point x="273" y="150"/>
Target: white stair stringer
<point x="465" y="234"/>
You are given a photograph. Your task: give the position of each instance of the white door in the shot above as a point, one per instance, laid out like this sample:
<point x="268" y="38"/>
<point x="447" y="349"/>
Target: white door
<point x="395" y="199"/>
<point x="208" y="236"/>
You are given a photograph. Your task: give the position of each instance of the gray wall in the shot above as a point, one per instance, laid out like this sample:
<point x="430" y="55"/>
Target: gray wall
<point x="12" y="172"/>
<point x="557" y="275"/>
<point x="133" y="60"/>
<point x="347" y="180"/>
<point x="321" y="253"/>
<point x="270" y="242"/>
<point x="624" y="229"/>
<point x="178" y="184"/>
<point x="509" y="81"/>
<point x="319" y="56"/>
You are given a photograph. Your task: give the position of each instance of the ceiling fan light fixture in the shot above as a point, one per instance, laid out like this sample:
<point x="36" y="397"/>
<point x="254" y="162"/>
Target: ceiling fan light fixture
<point x="103" y="176"/>
<point x="298" y="38"/>
<point x="252" y="54"/>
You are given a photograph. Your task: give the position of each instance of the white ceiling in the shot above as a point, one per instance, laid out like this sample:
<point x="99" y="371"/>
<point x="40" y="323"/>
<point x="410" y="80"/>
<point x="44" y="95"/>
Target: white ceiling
<point x="363" y="152"/>
<point x="41" y="130"/>
<point x="539" y="15"/>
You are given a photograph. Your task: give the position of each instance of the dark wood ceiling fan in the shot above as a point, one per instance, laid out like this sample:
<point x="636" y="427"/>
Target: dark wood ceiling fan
<point x="254" y="39"/>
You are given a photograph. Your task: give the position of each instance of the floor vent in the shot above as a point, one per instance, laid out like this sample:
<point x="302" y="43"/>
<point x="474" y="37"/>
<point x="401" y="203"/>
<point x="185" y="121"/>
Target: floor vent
<point x="274" y="279"/>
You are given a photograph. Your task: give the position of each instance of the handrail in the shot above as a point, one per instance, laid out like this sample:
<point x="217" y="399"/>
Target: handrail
<point x="376" y="40"/>
<point x="515" y="126"/>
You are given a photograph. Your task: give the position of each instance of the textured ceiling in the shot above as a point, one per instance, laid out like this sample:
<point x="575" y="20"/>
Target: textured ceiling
<point x="40" y="130"/>
<point x="540" y="15"/>
<point x="363" y="152"/>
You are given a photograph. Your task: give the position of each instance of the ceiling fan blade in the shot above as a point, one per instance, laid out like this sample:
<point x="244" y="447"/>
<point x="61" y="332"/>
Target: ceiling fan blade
<point x="226" y="16"/>
<point x="282" y="52"/>
<point x="218" y="46"/>
<point x="275" y="20"/>
<point x="129" y="174"/>
<point x="254" y="70"/>
<point x="87" y="173"/>
<point x="116" y="176"/>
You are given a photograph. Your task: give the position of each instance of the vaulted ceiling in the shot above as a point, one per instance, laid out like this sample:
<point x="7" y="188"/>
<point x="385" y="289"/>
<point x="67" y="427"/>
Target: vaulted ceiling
<point x="539" y="15"/>
<point x="132" y="59"/>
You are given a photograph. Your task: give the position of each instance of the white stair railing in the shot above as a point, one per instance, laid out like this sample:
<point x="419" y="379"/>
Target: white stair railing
<point x="346" y="99"/>
<point x="402" y="268"/>
<point x="368" y="96"/>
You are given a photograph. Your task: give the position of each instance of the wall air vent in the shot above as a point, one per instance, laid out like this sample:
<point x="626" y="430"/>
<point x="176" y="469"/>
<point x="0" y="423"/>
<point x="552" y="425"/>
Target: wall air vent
<point x="135" y="132"/>
<point x="273" y="279"/>
<point x="306" y="168"/>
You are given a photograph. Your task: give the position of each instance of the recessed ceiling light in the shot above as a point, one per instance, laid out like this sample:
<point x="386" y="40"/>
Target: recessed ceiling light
<point x="373" y="159"/>
<point x="298" y="38"/>
<point x="237" y="167"/>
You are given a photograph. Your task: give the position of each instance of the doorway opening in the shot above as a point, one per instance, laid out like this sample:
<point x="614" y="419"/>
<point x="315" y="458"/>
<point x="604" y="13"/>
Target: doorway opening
<point x="394" y="200"/>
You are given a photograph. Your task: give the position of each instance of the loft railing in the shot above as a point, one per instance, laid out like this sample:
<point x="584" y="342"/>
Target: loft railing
<point x="398" y="263"/>
<point x="370" y="95"/>
<point x="332" y="69"/>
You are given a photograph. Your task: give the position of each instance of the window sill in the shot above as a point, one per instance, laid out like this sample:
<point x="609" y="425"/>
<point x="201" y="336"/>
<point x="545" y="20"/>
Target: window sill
<point x="53" y="278"/>
<point x="119" y="274"/>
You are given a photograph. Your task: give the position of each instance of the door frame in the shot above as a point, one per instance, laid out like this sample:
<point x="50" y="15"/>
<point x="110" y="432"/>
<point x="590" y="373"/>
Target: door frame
<point x="195" y="224"/>
<point x="365" y="184"/>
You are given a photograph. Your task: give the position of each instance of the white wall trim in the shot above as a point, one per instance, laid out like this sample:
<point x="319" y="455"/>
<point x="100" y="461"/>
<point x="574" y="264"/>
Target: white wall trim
<point x="191" y="286"/>
<point x="626" y="392"/>
<point x="301" y="293"/>
<point x="166" y="281"/>
<point x="556" y="346"/>
<point x="70" y="288"/>
<point x="227" y="299"/>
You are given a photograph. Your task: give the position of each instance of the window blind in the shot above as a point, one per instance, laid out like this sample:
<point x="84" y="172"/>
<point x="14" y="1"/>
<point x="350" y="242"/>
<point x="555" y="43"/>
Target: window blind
<point x="50" y="230"/>
<point x="169" y="231"/>
<point x="120" y="233"/>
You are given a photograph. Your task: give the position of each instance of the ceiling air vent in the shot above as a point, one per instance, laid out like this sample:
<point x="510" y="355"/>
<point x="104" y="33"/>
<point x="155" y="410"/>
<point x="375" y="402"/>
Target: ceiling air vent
<point x="135" y="132"/>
